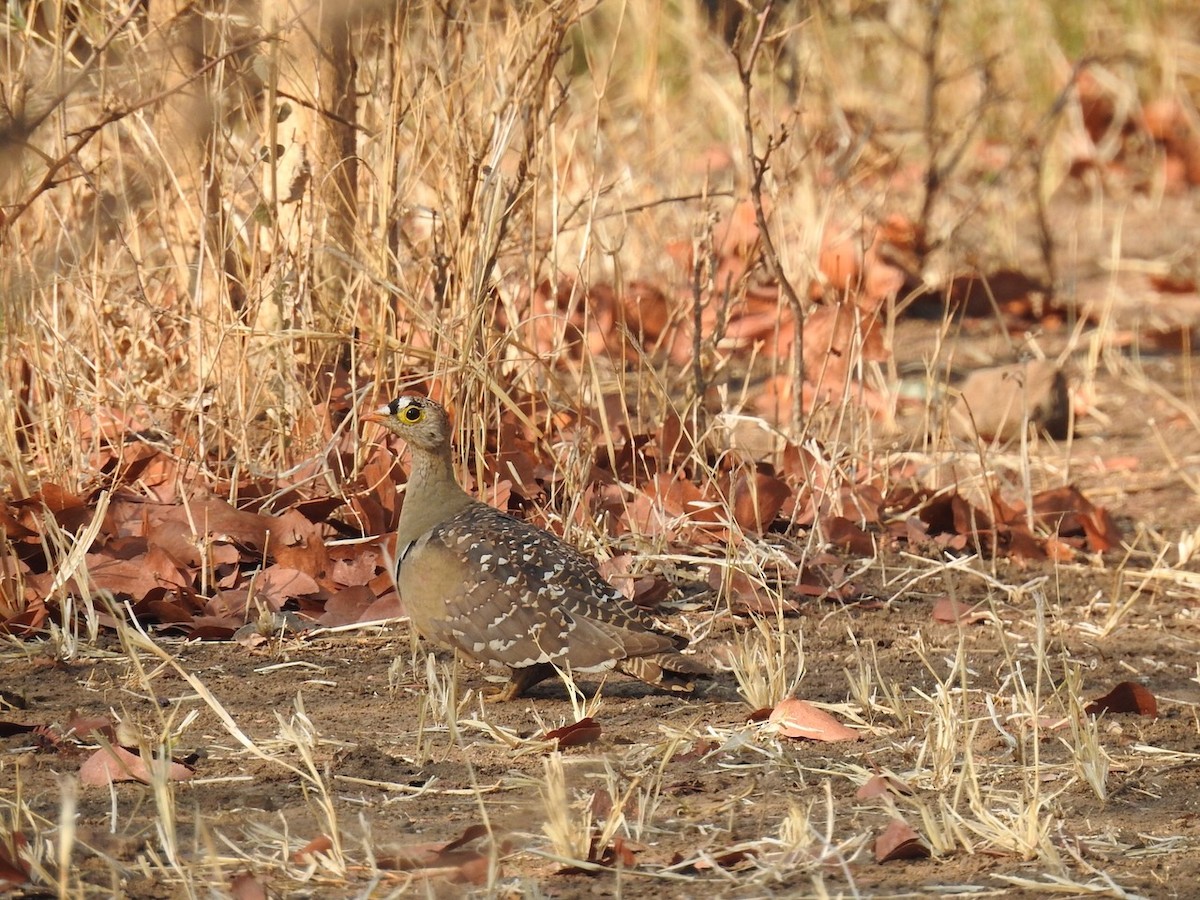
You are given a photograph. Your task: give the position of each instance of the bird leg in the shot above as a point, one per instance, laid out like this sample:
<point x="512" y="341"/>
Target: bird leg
<point x="519" y="681"/>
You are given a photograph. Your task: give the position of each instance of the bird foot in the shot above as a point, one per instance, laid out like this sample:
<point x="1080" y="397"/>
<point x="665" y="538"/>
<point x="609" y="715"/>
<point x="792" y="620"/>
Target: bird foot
<point x="519" y="681"/>
<point x="510" y="691"/>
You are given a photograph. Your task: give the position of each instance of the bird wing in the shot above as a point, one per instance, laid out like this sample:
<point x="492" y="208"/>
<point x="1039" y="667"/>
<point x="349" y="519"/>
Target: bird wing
<point x="518" y="595"/>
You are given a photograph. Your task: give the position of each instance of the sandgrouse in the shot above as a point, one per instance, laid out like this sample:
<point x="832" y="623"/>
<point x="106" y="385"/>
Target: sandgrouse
<point x="503" y="591"/>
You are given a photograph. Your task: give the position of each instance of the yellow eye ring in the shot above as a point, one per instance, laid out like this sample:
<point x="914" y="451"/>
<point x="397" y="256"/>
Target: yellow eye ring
<point x="412" y="414"/>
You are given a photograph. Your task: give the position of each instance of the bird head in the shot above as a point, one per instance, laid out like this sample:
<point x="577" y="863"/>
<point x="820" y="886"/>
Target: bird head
<point x="419" y="421"/>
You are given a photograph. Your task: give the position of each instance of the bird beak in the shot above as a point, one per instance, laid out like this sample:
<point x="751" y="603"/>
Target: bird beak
<point x="378" y="416"/>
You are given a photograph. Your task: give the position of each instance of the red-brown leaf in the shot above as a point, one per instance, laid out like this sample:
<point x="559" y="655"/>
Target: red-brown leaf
<point x="585" y="731"/>
<point x="13" y="867"/>
<point x="877" y="785"/>
<point x="115" y="763"/>
<point x="247" y="886"/>
<point x="1126" y="697"/>
<point x="798" y="719"/>
<point x="757" y="500"/>
<point x="82" y="726"/>
<point x="277" y="584"/>
<point x="899" y="841"/>
<point x="450" y="859"/>
<point x="320" y="844"/>
<point x="347" y="606"/>
<point x="841" y="532"/>
<point x="947" y="611"/>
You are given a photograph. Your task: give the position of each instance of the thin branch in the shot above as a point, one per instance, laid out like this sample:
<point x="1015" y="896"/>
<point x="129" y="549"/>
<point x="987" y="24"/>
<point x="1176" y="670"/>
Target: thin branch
<point x="84" y="136"/>
<point x="759" y="165"/>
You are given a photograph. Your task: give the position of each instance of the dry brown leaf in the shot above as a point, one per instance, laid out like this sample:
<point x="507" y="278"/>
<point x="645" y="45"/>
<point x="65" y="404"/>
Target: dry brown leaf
<point x="115" y="763"/>
<point x="1126" y="697"/>
<point x="675" y="508"/>
<point x="81" y="726"/>
<point x="137" y="576"/>
<point x="836" y="337"/>
<point x="213" y="628"/>
<point x="299" y="544"/>
<point x="347" y="606"/>
<point x="757" y="500"/>
<point x="585" y="731"/>
<point x="730" y="858"/>
<point x="737" y="232"/>
<point x="618" y="854"/>
<point x="1069" y="513"/>
<point x="841" y="532"/>
<point x="247" y="886"/>
<point x="799" y="719"/>
<point x="647" y="312"/>
<point x="747" y="594"/>
<point x="450" y="859"/>
<point x="354" y="564"/>
<point x="948" y="611"/>
<point x="14" y="869"/>
<point x="277" y="584"/>
<point x="878" y="785"/>
<point x="28" y="622"/>
<point x="899" y="841"/>
<point x="218" y="521"/>
<point x="840" y="260"/>
<point x="320" y="844"/>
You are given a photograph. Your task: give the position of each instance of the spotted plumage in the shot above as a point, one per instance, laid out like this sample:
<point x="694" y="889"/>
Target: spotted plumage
<point x="502" y="591"/>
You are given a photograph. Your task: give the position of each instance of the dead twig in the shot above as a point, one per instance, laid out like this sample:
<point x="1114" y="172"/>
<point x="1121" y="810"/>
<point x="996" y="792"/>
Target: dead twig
<point x="759" y="166"/>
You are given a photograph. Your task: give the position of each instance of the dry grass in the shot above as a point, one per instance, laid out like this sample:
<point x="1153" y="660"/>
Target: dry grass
<point x="172" y="279"/>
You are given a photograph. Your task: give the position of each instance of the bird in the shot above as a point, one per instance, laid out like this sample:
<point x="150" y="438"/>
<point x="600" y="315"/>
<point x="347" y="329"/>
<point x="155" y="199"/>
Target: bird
<point x="505" y="592"/>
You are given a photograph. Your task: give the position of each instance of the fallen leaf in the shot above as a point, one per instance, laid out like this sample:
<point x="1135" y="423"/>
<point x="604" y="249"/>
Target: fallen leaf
<point x="347" y="606"/>
<point x="618" y="854"/>
<point x="729" y="858"/>
<point x="757" y="500"/>
<point x="277" y="584"/>
<point x="585" y="731"/>
<point x="899" y="841"/>
<point x="115" y="763"/>
<point x="320" y="844"/>
<point x="840" y="259"/>
<point x="297" y="543"/>
<point x="737" y="231"/>
<point x="836" y="338"/>
<point x="745" y="593"/>
<point x="246" y="886"/>
<point x="647" y="311"/>
<point x="448" y="859"/>
<point x="948" y="611"/>
<point x="80" y="726"/>
<point x="841" y="532"/>
<point x="1126" y="697"/>
<point x="877" y="785"/>
<point x="799" y="719"/>
<point x="1173" y="283"/>
<point x="14" y="869"/>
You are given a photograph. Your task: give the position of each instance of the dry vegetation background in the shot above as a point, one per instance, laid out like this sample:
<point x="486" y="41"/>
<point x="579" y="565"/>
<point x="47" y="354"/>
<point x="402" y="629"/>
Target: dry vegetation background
<point x="702" y="284"/>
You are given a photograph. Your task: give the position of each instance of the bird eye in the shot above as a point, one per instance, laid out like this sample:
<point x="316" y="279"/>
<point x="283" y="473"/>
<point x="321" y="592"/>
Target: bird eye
<point x="412" y="414"/>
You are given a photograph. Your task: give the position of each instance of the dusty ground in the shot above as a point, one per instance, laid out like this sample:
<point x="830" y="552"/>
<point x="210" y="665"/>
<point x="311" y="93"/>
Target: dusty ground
<point x="724" y="784"/>
<point x="713" y="805"/>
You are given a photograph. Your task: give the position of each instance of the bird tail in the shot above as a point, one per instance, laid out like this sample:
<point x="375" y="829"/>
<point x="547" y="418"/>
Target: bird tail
<point x="669" y="671"/>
